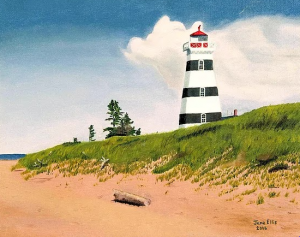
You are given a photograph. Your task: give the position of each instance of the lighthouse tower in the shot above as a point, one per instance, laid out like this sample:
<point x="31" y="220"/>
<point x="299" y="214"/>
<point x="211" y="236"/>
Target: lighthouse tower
<point x="200" y="98"/>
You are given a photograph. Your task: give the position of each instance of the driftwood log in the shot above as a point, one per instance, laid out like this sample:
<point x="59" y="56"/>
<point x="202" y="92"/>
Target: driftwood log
<point x="39" y="163"/>
<point x="124" y="197"/>
<point x="104" y="162"/>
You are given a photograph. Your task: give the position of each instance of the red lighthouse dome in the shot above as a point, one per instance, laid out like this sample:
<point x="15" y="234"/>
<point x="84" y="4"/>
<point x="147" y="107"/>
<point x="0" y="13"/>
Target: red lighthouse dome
<point x="199" y="33"/>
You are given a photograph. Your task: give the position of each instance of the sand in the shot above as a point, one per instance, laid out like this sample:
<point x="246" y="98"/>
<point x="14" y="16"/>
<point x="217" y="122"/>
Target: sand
<point x="82" y="206"/>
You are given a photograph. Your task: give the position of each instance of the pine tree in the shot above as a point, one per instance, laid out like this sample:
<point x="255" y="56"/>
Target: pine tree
<point x="115" y="114"/>
<point x="138" y="132"/>
<point x="129" y="129"/>
<point x="121" y="125"/>
<point x="121" y="131"/>
<point x="92" y="133"/>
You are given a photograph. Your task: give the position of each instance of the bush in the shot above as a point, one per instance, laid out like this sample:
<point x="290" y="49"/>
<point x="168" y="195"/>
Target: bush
<point x="234" y="183"/>
<point x="70" y="143"/>
<point x="260" y="199"/>
<point x="272" y="194"/>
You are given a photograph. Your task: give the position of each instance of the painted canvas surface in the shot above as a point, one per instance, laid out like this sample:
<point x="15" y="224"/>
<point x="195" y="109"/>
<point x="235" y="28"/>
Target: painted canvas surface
<point x="63" y="62"/>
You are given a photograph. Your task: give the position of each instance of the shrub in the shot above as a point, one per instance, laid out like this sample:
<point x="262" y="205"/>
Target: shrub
<point x="71" y="143"/>
<point x="260" y="200"/>
<point x="234" y="183"/>
<point x="272" y="194"/>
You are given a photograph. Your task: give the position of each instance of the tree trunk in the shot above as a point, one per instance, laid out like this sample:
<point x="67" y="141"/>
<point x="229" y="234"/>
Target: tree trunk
<point x="124" y="197"/>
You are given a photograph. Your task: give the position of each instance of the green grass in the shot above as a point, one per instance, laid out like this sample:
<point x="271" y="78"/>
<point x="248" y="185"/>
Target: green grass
<point x="260" y="200"/>
<point x="193" y="152"/>
<point x="248" y="192"/>
<point x="272" y="194"/>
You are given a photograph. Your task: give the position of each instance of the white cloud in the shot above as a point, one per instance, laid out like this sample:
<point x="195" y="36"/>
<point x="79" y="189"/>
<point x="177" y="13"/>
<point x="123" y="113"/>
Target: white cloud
<point x="163" y="50"/>
<point x="256" y="60"/>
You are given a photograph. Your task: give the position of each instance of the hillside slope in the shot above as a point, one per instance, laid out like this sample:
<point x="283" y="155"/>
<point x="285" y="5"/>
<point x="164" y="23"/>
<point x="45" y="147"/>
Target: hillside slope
<point x="262" y="141"/>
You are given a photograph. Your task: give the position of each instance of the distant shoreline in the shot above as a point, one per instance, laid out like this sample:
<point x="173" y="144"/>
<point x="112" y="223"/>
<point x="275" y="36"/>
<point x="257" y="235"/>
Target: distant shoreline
<point x="9" y="160"/>
<point x="11" y="156"/>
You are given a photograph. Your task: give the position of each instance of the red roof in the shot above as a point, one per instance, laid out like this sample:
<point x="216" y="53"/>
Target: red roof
<point x="197" y="33"/>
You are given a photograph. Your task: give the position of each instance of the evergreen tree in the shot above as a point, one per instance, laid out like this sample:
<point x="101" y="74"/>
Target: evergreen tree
<point x="92" y="133"/>
<point x="115" y="114"/>
<point x="121" y="125"/>
<point x="138" y="132"/>
<point x="129" y="129"/>
<point x="121" y="131"/>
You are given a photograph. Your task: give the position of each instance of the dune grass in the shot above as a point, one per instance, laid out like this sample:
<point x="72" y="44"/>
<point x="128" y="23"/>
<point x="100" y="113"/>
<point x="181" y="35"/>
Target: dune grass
<point x="216" y="153"/>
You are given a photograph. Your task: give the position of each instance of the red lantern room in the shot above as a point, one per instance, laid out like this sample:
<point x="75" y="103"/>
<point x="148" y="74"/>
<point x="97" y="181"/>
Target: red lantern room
<point x="199" y="39"/>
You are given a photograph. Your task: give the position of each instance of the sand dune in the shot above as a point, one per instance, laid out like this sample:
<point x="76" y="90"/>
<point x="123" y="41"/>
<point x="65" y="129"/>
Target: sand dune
<point x="81" y="206"/>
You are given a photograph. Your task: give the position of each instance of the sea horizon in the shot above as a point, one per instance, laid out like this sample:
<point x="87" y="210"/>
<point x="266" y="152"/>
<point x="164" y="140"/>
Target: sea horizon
<point x="11" y="156"/>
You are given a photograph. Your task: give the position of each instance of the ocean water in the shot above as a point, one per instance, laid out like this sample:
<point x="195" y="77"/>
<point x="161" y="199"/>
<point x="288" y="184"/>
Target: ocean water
<point x="11" y="156"/>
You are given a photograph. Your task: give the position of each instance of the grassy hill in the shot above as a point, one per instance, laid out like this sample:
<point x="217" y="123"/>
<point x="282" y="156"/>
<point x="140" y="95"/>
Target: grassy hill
<point x="257" y="148"/>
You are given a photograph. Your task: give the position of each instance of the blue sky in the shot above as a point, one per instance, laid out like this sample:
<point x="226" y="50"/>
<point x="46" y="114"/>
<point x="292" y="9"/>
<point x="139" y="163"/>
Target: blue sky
<point x="132" y="17"/>
<point x="61" y="62"/>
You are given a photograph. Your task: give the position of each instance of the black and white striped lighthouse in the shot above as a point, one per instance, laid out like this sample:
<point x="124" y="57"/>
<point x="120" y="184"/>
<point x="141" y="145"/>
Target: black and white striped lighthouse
<point x="200" y="99"/>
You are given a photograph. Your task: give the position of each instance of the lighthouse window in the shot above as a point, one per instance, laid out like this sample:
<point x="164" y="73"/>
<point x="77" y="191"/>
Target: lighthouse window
<point x="203" y="38"/>
<point x="202" y="91"/>
<point x="203" y="118"/>
<point x="200" y="64"/>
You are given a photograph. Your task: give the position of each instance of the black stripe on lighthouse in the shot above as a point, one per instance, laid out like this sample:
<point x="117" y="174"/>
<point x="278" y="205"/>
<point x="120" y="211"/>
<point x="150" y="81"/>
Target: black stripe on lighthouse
<point x="195" y="92"/>
<point x="211" y="91"/>
<point x="196" y="118"/>
<point x="194" y="65"/>
<point x="191" y="92"/>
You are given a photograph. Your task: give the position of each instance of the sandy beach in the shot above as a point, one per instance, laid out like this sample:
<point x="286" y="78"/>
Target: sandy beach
<point x="82" y="206"/>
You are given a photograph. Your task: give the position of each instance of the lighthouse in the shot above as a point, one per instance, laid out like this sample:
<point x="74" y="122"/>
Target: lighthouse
<point x="200" y="98"/>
